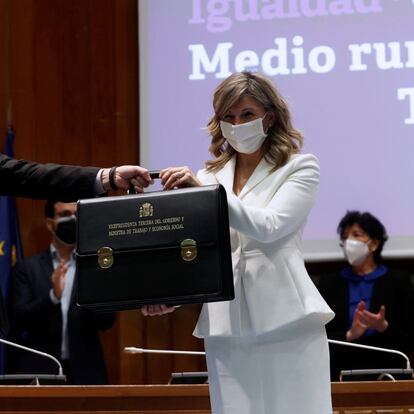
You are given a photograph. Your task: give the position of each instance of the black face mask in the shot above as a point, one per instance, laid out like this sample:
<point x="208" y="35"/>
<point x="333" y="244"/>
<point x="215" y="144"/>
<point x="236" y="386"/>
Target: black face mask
<point x="66" y="229"/>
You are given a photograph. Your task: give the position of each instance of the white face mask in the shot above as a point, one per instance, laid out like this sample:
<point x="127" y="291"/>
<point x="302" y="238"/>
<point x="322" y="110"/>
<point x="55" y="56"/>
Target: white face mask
<point x="355" y="251"/>
<point x="245" y="138"/>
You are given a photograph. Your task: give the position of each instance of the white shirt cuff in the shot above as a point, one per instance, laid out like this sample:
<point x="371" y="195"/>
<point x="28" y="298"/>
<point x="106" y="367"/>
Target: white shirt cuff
<point x="98" y="187"/>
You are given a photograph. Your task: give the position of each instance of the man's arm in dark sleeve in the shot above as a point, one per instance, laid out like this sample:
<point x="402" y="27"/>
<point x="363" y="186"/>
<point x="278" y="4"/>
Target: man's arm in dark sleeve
<point x="30" y="179"/>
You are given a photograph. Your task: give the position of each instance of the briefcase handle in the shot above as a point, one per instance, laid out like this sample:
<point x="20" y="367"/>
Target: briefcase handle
<point x="154" y="174"/>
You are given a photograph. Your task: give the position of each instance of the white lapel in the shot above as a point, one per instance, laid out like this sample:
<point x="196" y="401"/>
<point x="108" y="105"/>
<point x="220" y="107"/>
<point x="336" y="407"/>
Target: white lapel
<point x="259" y="174"/>
<point x="225" y="176"/>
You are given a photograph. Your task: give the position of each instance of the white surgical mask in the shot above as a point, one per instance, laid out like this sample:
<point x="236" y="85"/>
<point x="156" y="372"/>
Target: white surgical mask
<point x="355" y="251"/>
<point x="245" y="138"/>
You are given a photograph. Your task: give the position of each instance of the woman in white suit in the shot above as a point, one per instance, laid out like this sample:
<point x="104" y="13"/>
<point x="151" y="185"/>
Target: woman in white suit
<point x="267" y="350"/>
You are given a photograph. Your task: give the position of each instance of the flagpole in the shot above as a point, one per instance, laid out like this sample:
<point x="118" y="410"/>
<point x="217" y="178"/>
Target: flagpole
<point x="9" y="117"/>
<point x="9" y="114"/>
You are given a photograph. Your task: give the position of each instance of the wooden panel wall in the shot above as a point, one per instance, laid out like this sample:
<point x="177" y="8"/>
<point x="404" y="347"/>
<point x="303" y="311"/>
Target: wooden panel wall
<point x="69" y="69"/>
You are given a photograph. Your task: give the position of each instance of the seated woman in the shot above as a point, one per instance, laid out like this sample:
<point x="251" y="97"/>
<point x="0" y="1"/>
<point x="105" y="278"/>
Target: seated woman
<point x="373" y="304"/>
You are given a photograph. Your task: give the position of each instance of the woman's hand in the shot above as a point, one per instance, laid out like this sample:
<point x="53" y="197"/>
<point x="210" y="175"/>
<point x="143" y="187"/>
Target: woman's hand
<point x="375" y="321"/>
<point x="364" y="319"/>
<point x="357" y="328"/>
<point x="155" y="310"/>
<point x="178" y="177"/>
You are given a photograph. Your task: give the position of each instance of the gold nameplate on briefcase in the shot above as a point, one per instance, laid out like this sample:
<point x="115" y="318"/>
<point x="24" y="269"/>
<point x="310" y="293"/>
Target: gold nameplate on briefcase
<point x="188" y="250"/>
<point x="105" y="257"/>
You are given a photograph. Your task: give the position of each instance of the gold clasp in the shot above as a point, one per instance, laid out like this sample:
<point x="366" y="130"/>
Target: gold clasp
<point x="188" y="250"/>
<point x="105" y="257"/>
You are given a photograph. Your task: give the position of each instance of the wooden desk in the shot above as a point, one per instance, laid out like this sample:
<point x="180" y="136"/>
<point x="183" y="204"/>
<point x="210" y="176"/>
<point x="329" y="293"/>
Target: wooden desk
<point x="348" y="398"/>
<point x="379" y="397"/>
<point x="125" y="399"/>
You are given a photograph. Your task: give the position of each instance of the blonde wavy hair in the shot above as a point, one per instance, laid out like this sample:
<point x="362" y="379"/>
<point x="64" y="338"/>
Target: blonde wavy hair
<point x="282" y="140"/>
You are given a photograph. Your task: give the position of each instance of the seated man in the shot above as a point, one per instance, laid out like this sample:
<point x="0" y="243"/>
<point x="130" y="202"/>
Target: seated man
<point x="44" y="313"/>
<point x="372" y="303"/>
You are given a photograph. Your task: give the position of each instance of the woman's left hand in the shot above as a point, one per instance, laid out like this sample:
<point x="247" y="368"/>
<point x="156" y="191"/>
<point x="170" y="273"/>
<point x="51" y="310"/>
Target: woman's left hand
<point x="156" y="310"/>
<point x="375" y="321"/>
<point x="178" y="177"/>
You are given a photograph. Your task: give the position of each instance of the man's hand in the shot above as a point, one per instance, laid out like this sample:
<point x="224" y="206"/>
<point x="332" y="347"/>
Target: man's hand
<point x="120" y="178"/>
<point x="58" y="279"/>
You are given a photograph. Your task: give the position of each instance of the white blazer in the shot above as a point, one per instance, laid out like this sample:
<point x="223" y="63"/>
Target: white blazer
<point x="272" y="286"/>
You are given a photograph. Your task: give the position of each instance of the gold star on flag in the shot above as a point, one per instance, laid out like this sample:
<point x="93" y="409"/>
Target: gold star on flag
<point x="1" y="248"/>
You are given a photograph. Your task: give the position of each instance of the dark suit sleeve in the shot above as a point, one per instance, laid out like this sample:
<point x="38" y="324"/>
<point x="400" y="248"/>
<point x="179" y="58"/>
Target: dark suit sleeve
<point x="100" y="320"/>
<point x="4" y="320"/>
<point x="34" y="180"/>
<point x="393" y="290"/>
<point x="396" y="293"/>
<point x="28" y="307"/>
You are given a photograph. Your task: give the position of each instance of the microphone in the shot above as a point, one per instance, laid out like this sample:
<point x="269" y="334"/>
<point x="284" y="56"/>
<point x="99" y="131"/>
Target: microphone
<point x="154" y="174"/>
<point x="384" y="373"/>
<point x="176" y="377"/>
<point x="134" y="350"/>
<point x="372" y="348"/>
<point x="59" y="377"/>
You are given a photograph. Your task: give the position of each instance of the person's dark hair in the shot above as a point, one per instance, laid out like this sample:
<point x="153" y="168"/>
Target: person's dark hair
<point x="50" y="208"/>
<point x="370" y="224"/>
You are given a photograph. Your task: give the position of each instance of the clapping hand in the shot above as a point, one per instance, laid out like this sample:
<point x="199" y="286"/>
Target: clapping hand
<point x="364" y="320"/>
<point x="59" y="278"/>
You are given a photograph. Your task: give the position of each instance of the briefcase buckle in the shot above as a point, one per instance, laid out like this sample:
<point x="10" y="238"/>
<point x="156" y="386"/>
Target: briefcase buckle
<point x="105" y="257"/>
<point x="188" y="250"/>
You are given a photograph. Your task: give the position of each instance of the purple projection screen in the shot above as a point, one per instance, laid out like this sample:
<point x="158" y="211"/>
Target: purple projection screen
<point x="345" y="66"/>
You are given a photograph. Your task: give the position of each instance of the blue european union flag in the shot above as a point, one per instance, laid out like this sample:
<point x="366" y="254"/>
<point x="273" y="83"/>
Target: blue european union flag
<point x="10" y="243"/>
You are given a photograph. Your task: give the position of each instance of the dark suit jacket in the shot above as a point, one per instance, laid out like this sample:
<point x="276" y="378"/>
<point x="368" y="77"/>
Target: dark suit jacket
<point x="34" y="180"/>
<point x="4" y="322"/>
<point x="37" y="321"/>
<point x="394" y="290"/>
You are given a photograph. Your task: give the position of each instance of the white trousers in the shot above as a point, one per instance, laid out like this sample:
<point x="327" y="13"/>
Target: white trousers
<point x="284" y="372"/>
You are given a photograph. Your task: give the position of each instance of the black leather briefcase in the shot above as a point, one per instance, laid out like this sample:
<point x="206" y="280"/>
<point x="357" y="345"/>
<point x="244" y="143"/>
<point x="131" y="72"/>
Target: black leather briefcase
<point x="167" y="247"/>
